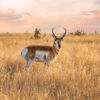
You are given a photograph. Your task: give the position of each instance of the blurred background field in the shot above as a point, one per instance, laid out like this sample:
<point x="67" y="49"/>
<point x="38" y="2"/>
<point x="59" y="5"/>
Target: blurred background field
<point x="74" y="75"/>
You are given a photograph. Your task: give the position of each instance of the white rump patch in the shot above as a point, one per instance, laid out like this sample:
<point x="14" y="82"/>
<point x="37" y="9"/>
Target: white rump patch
<point x="41" y="55"/>
<point x="24" y="52"/>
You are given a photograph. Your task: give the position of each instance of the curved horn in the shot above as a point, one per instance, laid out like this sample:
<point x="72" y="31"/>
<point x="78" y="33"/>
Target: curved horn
<point x="59" y="37"/>
<point x="64" y="33"/>
<point x="53" y="34"/>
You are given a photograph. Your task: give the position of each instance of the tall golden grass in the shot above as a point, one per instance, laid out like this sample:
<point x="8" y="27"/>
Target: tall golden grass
<point x="74" y="75"/>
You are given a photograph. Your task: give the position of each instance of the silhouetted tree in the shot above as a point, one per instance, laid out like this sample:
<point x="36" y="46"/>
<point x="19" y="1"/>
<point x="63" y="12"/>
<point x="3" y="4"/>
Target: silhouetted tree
<point x="36" y="33"/>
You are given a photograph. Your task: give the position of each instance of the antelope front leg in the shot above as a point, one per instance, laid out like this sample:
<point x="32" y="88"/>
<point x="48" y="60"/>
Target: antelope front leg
<point x="28" y="64"/>
<point x="47" y="62"/>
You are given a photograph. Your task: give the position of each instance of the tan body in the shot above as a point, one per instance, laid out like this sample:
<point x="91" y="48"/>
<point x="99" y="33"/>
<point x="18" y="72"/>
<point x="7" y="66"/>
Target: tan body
<point x="52" y="51"/>
<point x="42" y="53"/>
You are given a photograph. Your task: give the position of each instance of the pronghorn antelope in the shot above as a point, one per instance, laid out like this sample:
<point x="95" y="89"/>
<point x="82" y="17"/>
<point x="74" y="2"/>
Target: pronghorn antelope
<point x="42" y="53"/>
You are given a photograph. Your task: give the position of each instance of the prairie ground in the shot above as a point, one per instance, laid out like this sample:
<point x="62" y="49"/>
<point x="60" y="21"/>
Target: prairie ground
<point x="73" y="75"/>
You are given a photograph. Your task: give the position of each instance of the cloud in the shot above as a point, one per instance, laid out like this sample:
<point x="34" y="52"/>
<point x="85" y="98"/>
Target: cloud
<point x="13" y="21"/>
<point x="94" y="11"/>
<point x="59" y="7"/>
<point x="27" y="14"/>
<point x="9" y="15"/>
<point x="98" y="2"/>
<point x="89" y="13"/>
<point x="90" y="20"/>
<point x="45" y="14"/>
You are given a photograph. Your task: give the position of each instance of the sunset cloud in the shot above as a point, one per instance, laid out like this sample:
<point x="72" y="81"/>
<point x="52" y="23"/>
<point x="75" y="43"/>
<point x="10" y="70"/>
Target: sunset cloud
<point x="98" y="2"/>
<point x="9" y="16"/>
<point x="45" y="14"/>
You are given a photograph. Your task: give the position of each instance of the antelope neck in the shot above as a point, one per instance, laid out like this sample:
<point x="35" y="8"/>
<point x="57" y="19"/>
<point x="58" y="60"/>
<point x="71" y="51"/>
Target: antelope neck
<point x="56" y="46"/>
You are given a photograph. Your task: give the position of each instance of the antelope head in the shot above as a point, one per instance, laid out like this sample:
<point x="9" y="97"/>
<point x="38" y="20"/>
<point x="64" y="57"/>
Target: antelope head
<point x="58" y="39"/>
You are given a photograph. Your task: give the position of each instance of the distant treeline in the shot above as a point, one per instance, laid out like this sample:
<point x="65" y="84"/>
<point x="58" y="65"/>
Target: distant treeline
<point x="81" y="32"/>
<point x="37" y="33"/>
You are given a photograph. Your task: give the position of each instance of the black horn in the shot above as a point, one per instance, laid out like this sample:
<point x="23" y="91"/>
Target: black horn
<point x="59" y="37"/>
<point x="53" y="34"/>
<point x="64" y="33"/>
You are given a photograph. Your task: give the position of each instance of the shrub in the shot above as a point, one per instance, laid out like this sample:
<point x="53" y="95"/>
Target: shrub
<point x="79" y="32"/>
<point x="37" y="32"/>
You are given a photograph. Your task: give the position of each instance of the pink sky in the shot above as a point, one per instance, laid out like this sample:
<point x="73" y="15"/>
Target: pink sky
<point x="26" y="15"/>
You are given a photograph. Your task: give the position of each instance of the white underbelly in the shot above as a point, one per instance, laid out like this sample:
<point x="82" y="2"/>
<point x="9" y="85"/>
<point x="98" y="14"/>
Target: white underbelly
<point x="41" y="55"/>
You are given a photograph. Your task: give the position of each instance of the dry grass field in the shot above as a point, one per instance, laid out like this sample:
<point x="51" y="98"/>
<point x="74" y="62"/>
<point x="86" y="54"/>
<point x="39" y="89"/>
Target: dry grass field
<point x="74" y="75"/>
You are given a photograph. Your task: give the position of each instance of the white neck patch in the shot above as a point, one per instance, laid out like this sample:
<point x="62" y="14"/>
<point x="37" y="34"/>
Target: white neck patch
<point x="56" y="44"/>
